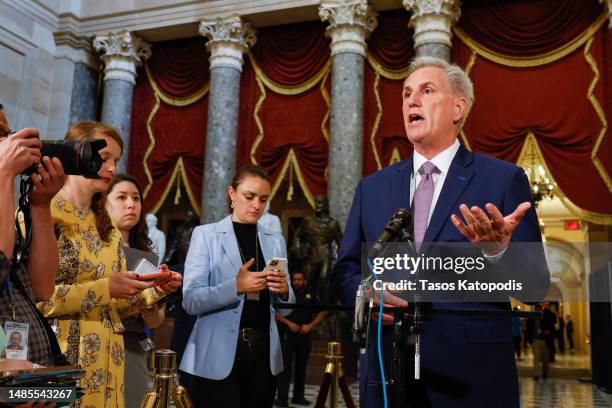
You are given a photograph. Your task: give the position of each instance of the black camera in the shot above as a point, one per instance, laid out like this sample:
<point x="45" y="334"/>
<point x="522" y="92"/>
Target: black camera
<point x="78" y="157"/>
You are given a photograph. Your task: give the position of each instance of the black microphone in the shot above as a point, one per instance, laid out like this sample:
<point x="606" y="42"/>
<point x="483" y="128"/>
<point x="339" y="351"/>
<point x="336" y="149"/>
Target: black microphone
<point x="400" y="220"/>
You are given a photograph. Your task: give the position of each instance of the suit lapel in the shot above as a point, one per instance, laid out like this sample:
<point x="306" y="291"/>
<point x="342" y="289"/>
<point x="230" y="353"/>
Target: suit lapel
<point x="459" y="176"/>
<point x="229" y="241"/>
<point x="400" y="186"/>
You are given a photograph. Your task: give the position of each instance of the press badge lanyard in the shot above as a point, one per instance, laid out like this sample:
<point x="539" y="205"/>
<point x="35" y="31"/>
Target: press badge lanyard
<point x="8" y="287"/>
<point x="8" y="284"/>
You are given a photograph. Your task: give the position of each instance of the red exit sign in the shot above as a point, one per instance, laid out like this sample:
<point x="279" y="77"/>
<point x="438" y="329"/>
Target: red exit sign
<point x="572" y="225"/>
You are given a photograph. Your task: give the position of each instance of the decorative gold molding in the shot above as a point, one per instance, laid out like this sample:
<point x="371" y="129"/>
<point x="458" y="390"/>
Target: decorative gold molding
<point x="192" y="198"/>
<point x="150" y="148"/>
<point x="300" y="177"/>
<point x="324" y="129"/>
<point x="376" y="124"/>
<point x="290" y="189"/>
<point x="170" y="100"/>
<point x="600" y="113"/>
<point x="292" y="161"/>
<point x="536" y="60"/>
<point x="178" y="173"/>
<point x="281" y="175"/>
<point x="468" y="70"/>
<point x="396" y="157"/>
<point x="327" y="100"/>
<point x="260" y="129"/>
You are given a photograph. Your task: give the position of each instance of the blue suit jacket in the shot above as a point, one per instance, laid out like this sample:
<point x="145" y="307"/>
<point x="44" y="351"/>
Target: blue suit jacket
<point x="466" y="361"/>
<point x="209" y="291"/>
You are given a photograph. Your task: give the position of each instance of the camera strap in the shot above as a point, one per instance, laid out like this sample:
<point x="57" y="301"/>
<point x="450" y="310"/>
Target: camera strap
<point x="23" y="238"/>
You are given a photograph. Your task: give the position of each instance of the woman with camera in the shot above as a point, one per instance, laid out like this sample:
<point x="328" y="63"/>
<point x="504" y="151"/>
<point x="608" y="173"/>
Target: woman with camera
<point x="234" y="349"/>
<point x="124" y="205"/>
<point x="93" y="290"/>
<point x="29" y="276"/>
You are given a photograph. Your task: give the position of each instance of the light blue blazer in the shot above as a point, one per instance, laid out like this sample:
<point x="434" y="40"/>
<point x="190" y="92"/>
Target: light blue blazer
<point x="209" y="291"/>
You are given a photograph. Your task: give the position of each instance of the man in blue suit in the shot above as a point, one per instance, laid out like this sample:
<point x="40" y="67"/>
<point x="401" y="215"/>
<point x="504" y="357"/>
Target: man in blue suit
<point x="455" y="196"/>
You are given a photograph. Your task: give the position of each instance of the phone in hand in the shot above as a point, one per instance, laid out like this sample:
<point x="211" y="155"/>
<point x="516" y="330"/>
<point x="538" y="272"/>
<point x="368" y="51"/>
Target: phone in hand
<point x="147" y="271"/>
<point x="276" y="263"/>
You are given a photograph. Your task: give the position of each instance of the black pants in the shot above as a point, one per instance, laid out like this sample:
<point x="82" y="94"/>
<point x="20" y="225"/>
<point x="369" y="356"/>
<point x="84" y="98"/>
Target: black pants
<point x="298" y="345"/>
<point x="249" y="384"/>
<point x="517" y="345"/>
<point x="550" y="344"/>
<point x="570" y="339"/>
<point x="561" y="341"/>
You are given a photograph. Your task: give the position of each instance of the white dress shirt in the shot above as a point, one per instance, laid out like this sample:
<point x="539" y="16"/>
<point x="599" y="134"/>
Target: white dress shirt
<point x="442" y="161"/>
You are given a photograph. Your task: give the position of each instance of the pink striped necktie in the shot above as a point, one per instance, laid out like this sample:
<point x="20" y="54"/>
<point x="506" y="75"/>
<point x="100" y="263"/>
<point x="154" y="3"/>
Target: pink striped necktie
<point x="421" y="203"/>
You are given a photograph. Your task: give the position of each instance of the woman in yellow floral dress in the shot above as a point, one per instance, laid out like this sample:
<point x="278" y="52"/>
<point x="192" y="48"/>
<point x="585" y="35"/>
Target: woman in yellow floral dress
<point x="92" y="289"/>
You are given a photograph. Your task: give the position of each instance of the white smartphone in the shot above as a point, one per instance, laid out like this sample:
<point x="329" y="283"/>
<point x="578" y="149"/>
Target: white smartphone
<point x="276" y="263"/>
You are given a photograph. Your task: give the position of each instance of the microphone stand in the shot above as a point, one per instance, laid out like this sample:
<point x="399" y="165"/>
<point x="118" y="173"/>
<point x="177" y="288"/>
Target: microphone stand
<point x="402" y="326"/>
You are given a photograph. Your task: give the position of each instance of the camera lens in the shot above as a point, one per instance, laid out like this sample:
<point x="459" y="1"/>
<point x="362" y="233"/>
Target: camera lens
<point x="80" y="158"/>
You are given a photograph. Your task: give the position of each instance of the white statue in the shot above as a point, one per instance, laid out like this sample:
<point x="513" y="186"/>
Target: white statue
<point x="157" y="237"/>
<point x="270" y="221"/>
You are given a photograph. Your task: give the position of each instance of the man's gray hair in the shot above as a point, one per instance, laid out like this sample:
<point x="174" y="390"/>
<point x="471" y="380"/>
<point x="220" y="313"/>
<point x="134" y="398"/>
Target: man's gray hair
<point x="460" y="83"/>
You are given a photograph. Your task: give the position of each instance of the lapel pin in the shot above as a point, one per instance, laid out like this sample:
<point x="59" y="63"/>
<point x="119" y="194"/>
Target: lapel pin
<point x="462" y="178"/>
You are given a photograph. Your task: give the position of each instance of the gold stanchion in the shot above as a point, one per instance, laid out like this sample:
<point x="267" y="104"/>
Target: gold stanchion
<point x="333" y="378"/>
<point x="165" y="383"/>
<point x="334" y="354"/>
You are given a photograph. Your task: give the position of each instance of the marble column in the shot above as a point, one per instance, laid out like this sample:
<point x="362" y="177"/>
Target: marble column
<point x="123" y="52"/>
<point x="228" y="39"/>
<point x="350" y="23"/>
<point x="432" y="21"/>
<point x="84" y="101"/>
<point x="75" y="81"/>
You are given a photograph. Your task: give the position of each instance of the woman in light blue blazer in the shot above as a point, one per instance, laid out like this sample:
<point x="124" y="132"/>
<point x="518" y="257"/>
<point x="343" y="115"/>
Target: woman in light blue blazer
<point x="234" y="349"/>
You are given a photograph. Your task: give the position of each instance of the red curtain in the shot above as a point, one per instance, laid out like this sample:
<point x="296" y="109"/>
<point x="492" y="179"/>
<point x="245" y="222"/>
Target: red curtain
<point x="391" y="42"/>
<point x="289" y="57"/>
<point x="292" y="54"/>
<point x="566" y="103"/>
<point x="526" y="28"/>
<point x="177" y="121"/>
<point x="180" y="67"/>
<point x="390" y="48"/>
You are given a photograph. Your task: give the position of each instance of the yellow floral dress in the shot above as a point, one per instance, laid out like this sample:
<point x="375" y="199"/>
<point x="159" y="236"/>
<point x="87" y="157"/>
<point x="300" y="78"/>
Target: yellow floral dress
<point x="88" y="321"/>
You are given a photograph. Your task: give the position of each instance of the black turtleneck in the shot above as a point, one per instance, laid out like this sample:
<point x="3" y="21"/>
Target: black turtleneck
<point x="255" y="314"/>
